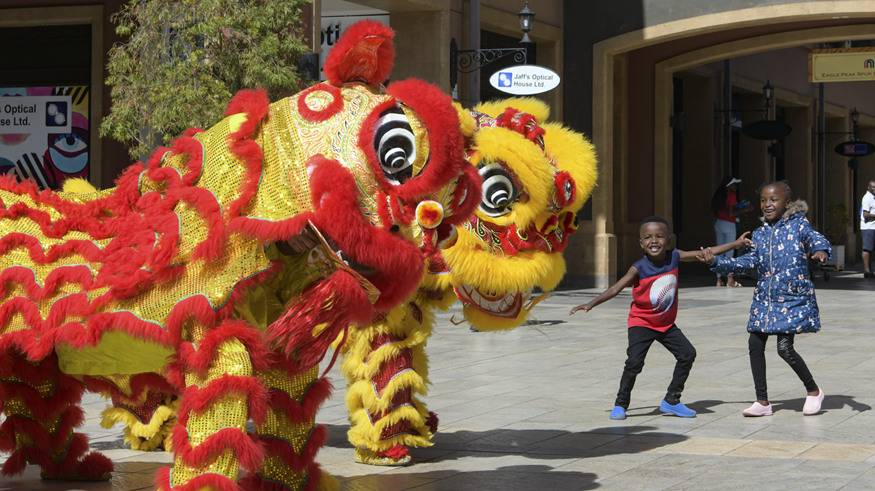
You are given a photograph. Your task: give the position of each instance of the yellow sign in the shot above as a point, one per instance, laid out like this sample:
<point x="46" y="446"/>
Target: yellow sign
<point x="841" y="65"/>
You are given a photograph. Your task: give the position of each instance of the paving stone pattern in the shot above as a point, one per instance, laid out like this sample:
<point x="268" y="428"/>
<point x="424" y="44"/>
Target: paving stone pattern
<point x="528" y="409"/>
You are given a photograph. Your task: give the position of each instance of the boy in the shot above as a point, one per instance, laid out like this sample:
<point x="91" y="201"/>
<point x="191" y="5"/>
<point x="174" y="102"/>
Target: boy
<point x="654" y="279"/>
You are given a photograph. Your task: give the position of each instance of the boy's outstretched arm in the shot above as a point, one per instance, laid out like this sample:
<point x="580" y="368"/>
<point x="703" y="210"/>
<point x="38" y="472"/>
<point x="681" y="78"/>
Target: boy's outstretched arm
<point x="610" y="293"/>
<point x="724" y="265"/>
<point x="743" y="240"/>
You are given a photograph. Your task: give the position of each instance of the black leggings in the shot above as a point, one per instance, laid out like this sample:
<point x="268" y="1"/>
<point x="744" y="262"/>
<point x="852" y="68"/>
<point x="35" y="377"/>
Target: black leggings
<point x="640" y="339"/>
<point x="757" y="349"/>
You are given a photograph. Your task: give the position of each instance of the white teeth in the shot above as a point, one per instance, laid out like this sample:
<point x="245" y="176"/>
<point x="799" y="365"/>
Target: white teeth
<point x="506" y="305"/>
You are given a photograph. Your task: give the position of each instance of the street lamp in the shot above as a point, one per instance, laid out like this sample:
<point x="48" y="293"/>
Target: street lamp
<point x="768" y="93"/>
<point x="526" y="17"/>
<point x="471" y="60"/>
<point x="855" y="119"/>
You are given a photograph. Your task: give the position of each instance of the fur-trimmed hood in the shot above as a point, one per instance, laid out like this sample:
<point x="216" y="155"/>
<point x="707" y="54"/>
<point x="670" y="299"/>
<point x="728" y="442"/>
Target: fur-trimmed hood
<point x="795" y="207"/>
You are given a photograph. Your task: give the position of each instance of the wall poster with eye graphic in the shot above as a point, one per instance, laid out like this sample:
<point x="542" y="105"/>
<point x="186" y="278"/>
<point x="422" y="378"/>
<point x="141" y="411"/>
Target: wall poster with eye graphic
<point x="45" y="134"/>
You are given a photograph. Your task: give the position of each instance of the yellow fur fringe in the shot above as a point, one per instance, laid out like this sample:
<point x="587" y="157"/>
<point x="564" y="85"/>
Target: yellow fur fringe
<point x="361" y="364"/>
<point x="139" y="436"/>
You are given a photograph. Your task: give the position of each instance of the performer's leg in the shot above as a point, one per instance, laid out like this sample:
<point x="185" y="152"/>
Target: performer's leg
<point x="41" y="405"/>
<point x="386" y="368"/>
<point x="210" y="441"/>
<point x="289" y="433"/>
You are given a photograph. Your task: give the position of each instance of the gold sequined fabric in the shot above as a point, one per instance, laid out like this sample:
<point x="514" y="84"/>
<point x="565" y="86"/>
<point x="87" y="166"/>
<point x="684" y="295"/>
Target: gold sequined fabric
<point x="277" y="425"/>
<point x="230" y="411"/>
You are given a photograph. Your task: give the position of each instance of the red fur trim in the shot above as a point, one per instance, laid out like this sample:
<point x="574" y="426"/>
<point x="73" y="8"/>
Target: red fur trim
<point x="331" y="109"/>
<point x="446" y="144"/>
<point x="305" y="410"/>
<point x="364" y="53"/>
<point x="139" y="384"/>
<point x="247" y="388"/>
<point x="15" y="464"/>
<point x="51" y="442"/>
<point x="255" y="105"/>
<point x="337" y="215"/>
<point x="285" y="452"/>
<point x="238" y="293"/>
<point x="255" y="482"/>
<point x="466" y="196"/>
<point x="214" y="482"/>
<point x="200" y="360"/>
<point x="245" y="449"/>
<point x="271" y="231"/>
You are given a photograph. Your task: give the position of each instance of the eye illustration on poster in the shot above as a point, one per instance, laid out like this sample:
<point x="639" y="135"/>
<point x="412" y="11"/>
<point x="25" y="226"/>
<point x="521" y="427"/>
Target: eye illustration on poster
<point x="44" y="134"/>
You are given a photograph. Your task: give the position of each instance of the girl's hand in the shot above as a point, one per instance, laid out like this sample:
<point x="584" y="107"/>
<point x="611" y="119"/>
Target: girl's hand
<point x="584" y="307"/>
<point x="743" y="240"/>
<point x="820" y="256"/>
<point x="706" y="256"/>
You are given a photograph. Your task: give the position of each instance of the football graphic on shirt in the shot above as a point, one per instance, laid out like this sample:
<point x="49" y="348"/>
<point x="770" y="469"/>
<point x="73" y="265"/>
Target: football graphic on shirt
<point x="662" y="292"/>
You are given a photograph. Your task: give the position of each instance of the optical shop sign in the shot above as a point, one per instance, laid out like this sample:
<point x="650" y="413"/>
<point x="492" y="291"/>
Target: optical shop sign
<point x="841" y="65"/>
<point x="524" y="80"/>
<point x="35" y="114"/>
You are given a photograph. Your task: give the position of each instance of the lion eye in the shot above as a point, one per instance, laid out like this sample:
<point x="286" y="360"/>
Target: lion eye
<point x="395" y="144"/>
<point x="499" y="192"/>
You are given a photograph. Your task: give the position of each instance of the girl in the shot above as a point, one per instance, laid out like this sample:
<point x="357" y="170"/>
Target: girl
<point x="783" y="301"/>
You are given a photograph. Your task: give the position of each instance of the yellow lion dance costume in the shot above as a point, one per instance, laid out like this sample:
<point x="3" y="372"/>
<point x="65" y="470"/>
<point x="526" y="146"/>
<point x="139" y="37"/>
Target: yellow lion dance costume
<point x="535" y="177"/>
<point x="222" y="269"/>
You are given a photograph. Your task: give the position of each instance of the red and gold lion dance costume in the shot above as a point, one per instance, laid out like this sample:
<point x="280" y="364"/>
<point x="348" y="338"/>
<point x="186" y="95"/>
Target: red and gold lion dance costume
<point x="536" y="175"/>
<point x="221" y="269"/>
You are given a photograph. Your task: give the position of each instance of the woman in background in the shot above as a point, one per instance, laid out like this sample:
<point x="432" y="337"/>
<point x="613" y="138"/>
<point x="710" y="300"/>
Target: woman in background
<point x="726" y="208"/>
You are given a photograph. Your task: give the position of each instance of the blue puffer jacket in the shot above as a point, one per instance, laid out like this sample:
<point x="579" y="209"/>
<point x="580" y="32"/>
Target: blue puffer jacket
<point x="783" y="301"/>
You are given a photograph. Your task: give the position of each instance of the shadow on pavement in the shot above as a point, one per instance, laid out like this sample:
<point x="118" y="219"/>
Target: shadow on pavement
<point x="829" y="402"/>
<point x="516" y="477"/>
<point x="542" y="444"/>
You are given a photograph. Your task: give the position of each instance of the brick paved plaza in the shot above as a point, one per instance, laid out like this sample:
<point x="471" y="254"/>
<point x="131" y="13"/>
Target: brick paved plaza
<point x="528" y="410"/>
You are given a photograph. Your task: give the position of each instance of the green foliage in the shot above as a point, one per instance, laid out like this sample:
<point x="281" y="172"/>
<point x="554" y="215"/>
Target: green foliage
<point x="181" y="61"/>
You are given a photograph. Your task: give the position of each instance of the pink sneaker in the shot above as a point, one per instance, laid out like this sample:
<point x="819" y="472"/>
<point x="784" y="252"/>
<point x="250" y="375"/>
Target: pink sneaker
<point x="812" y="404"/>
<point x="756" y="410"/>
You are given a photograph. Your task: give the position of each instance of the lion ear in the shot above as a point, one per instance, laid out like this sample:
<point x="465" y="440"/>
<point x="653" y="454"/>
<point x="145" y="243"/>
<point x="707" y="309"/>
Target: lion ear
<point x="364" y="53"/>
<point x="467" y="124"/>
<point x="536" y="107"/>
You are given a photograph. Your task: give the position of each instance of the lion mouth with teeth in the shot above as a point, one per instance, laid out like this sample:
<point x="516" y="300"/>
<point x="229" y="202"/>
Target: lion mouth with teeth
<point x="508" y="305"/>
<point x="535" y="176"/>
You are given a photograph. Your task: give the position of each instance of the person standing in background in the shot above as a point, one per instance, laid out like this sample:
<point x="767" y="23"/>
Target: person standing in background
<point x="726" y="208"/>
<point x="867" y="229"/>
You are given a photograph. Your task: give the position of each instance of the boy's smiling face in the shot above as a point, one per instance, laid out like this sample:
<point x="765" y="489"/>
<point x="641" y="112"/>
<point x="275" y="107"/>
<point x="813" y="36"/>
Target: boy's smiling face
<point x="653" y="237"/>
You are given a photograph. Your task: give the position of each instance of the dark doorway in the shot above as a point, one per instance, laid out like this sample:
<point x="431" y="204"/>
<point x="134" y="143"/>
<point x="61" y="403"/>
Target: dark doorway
<point x="46" y="55"/>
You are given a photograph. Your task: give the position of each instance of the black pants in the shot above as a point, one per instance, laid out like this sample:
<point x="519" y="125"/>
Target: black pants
<point x="757" y="348"/>
<point x="640" y="339"/>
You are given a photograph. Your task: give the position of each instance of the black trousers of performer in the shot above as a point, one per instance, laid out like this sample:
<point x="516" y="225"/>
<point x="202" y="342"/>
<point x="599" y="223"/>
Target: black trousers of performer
<point x="757" y="348"/>
<point x="640" y="339"/>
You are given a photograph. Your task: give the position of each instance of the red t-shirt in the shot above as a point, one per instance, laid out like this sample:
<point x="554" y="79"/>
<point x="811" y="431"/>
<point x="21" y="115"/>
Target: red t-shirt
<point x="725" y="212"/>
<point x="655" y="294"/>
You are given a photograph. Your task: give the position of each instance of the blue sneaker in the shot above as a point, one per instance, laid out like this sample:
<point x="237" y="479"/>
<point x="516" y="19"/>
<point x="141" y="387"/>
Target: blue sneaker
<point x="619" y="412"/>
<point x="678" y="409"/>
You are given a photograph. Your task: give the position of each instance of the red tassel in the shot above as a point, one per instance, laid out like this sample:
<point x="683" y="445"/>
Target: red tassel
<point x="338" y="301"/>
